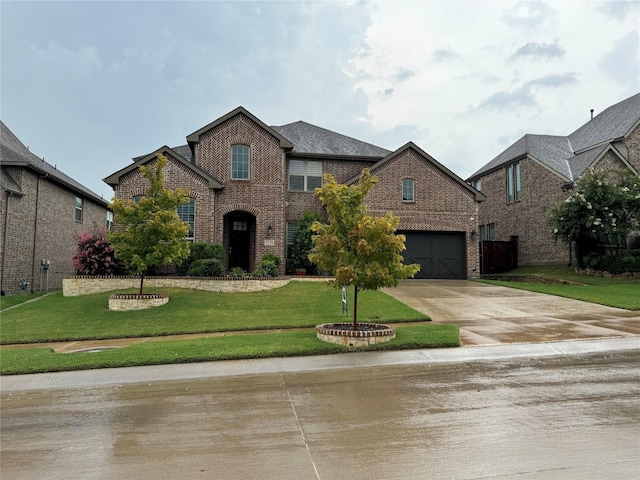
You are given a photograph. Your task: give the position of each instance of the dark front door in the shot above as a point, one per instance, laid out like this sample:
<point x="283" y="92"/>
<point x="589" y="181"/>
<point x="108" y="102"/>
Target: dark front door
<point x="240" y="228"/>
<point x="439" y="254"/>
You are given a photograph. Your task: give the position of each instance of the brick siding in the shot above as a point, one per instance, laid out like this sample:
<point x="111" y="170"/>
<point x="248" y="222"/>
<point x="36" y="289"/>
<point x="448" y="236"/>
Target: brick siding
<point x="49" y="235"/>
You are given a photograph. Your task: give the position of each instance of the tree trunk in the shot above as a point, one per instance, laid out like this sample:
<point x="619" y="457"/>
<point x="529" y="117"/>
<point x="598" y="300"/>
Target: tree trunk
<point x="141" y="281"/>
<point x="355" y="308"/>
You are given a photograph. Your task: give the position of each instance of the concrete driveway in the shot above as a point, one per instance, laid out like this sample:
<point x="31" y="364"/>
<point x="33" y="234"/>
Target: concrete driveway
<point x="489" y="314"/>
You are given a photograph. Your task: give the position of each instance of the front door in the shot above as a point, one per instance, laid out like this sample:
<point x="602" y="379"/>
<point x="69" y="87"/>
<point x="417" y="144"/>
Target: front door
<point x="240" y="228"/>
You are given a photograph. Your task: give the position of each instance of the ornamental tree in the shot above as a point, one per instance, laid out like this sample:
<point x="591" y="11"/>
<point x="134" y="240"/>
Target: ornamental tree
<point x="94" y="256"/>
<point x="360" y="249"/>
<point x="603" y="205"/>
<point x="149" y="232"/>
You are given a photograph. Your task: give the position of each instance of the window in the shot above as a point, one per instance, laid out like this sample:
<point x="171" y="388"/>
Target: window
<point x="187" y="213"/>
<point x="514" y="188"/>
<point x="407" y="190"/>
<point x="478" y="184"/>
<point x="291" y="235"/>
<point x="79" y="208"/>
<point x="488" y="232"/>
<point x="304" y="175"/>
<point x="239" y="226"/>
<point x="109" y="225"/>
<point x="137" y="198"/>
<point x="240" y="162"/>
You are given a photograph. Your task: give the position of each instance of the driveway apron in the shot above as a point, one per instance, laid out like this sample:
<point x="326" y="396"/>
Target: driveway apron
<point x="489" y="314"/>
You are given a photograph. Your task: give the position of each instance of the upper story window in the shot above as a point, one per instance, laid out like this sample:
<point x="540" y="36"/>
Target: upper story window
<point x="240" y="162"/>
<point x="304" y="175"/>
<point x="137" y="198"/>
<point x="109" y="225"/>
<point x="478" y="184"/>
<point x="408" y="187"/>
<point x="513" y="183"/>
<point x="79" y="209"/>
<point x="187" y="214"/>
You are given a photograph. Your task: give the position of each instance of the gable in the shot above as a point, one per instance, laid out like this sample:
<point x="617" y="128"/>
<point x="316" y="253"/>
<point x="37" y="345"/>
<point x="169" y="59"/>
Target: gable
<point x="415" y="161"/>
<point x="194" y="138"/>
<point x="115" y="179"/>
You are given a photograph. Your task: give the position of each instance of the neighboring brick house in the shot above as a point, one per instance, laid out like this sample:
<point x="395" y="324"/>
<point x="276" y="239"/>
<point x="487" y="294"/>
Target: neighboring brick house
<point x="41" y="212"/>
<point x="533" y="175"/>
<point x="250" y="183"/>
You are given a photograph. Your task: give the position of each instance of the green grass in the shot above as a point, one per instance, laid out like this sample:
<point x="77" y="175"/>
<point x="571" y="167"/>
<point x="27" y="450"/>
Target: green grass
<point x="298" y="304"/>
<point x="38" y="360"/>
<point x="613" y="292"/>
<point x="13" y="300"/>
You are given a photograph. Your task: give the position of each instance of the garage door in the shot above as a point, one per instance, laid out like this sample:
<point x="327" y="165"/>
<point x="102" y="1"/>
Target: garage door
<point x="440" y="254"/>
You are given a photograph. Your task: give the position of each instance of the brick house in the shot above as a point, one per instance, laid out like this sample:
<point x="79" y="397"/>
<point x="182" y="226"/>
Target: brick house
<point x="41" y="212"/>
<point x="249" y="183"/>
<point x="533" y="174"/>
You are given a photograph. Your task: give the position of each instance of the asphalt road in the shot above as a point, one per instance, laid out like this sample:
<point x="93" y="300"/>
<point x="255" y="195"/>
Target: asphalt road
<point x="548" y="417"/>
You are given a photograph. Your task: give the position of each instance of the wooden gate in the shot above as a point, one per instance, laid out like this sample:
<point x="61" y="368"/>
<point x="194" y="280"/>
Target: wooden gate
<point x="498" y="257"/>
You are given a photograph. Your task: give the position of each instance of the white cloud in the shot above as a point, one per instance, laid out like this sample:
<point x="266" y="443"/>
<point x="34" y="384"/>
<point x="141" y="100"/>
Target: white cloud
<point x="460" y="79"/>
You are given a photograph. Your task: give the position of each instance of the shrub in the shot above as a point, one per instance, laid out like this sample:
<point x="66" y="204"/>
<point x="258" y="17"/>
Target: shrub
<point x="302" y="243"/>
<point x="94" y="255"/>
<point x="237" y="272"/>
<point x="201" y="251"/>
<point x="206" y="267"/>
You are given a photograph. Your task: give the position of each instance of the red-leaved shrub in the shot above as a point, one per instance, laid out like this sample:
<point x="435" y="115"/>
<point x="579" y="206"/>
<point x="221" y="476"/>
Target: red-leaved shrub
<point x="94" y="256"/>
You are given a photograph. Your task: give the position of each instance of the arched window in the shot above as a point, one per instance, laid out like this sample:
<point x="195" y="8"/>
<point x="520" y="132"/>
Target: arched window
<point x="240" y="162"/>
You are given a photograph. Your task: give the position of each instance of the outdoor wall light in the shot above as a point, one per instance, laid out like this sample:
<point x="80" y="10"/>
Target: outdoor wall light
<point x="474" y="235"/>
<point x="269" y="230"/>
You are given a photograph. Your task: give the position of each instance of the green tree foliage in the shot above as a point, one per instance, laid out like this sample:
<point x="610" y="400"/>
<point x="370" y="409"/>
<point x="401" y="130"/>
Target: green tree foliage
<point x="303" y="243"/>
<point x="150" y="232"/>
<point x="603" y="205"/>
<point x="361" y="250"/>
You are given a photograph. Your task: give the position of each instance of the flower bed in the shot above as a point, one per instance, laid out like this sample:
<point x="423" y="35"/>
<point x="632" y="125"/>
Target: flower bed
<point x="122" y="302"/>
<point x="343" y="334"/>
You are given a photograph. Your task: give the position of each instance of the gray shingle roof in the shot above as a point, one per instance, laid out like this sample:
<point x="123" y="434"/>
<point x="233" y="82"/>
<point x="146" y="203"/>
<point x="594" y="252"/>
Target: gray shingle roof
<point x="13" y="152"/>
<point x="614" y="122"/>
<point x="310" y="139"/>
<point x="570" y="156"/>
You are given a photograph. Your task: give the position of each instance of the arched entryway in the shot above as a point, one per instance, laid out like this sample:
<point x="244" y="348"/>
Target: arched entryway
<point x="240" y="240"/>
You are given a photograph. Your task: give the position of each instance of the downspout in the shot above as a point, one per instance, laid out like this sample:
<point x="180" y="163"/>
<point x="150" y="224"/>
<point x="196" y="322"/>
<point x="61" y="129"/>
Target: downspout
<point x="4" y="241"/>
<point x="35" y="231"/>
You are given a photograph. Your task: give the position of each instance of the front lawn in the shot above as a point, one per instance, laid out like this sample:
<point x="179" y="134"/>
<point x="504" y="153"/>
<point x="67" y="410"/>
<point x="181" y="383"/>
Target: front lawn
<point x="286" y="344"/>
<point x="613" y="292"/>
<point x="298" y="304"/>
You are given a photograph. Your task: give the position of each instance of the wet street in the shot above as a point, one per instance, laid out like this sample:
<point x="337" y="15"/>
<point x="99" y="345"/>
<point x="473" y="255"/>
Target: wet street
<point x="559" y="417"/>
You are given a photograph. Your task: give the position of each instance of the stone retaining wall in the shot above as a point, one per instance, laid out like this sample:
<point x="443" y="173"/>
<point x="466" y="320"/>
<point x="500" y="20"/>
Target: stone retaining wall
<point x="81" y="285"/>
<point x="132" y="301"/>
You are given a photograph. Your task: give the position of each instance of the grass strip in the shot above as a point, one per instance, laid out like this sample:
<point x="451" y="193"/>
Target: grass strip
<point x="287" y="344"/>
<point x="625" y="296"/>
<point x="296" y="305"/>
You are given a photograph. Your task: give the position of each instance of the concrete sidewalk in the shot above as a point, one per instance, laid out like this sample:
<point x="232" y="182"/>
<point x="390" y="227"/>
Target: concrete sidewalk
<point x="155" y="373"/>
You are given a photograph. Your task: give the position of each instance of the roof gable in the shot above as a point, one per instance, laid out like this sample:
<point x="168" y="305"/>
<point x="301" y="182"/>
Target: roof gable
<point x="114" y="179"/>
<point x="569" y="156"/>
<point x="311" y="139"/>
<point x="195" y="136"/>
<point x="14" y="153"/>
<point x="612" y="123"/>
<point x="478" y="196"/>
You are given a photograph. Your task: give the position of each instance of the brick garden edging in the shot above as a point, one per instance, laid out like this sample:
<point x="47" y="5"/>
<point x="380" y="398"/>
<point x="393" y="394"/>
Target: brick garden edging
<point x="122" y="302"/>
<point x="343" y="334"/>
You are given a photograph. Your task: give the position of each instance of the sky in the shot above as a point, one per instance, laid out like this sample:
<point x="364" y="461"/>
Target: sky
<point x="88" y="85"/>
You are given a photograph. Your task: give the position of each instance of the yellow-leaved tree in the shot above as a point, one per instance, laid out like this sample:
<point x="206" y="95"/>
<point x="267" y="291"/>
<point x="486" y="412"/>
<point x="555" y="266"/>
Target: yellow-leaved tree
<point x="149" y="232"/>
<point x="360" y="249"/>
